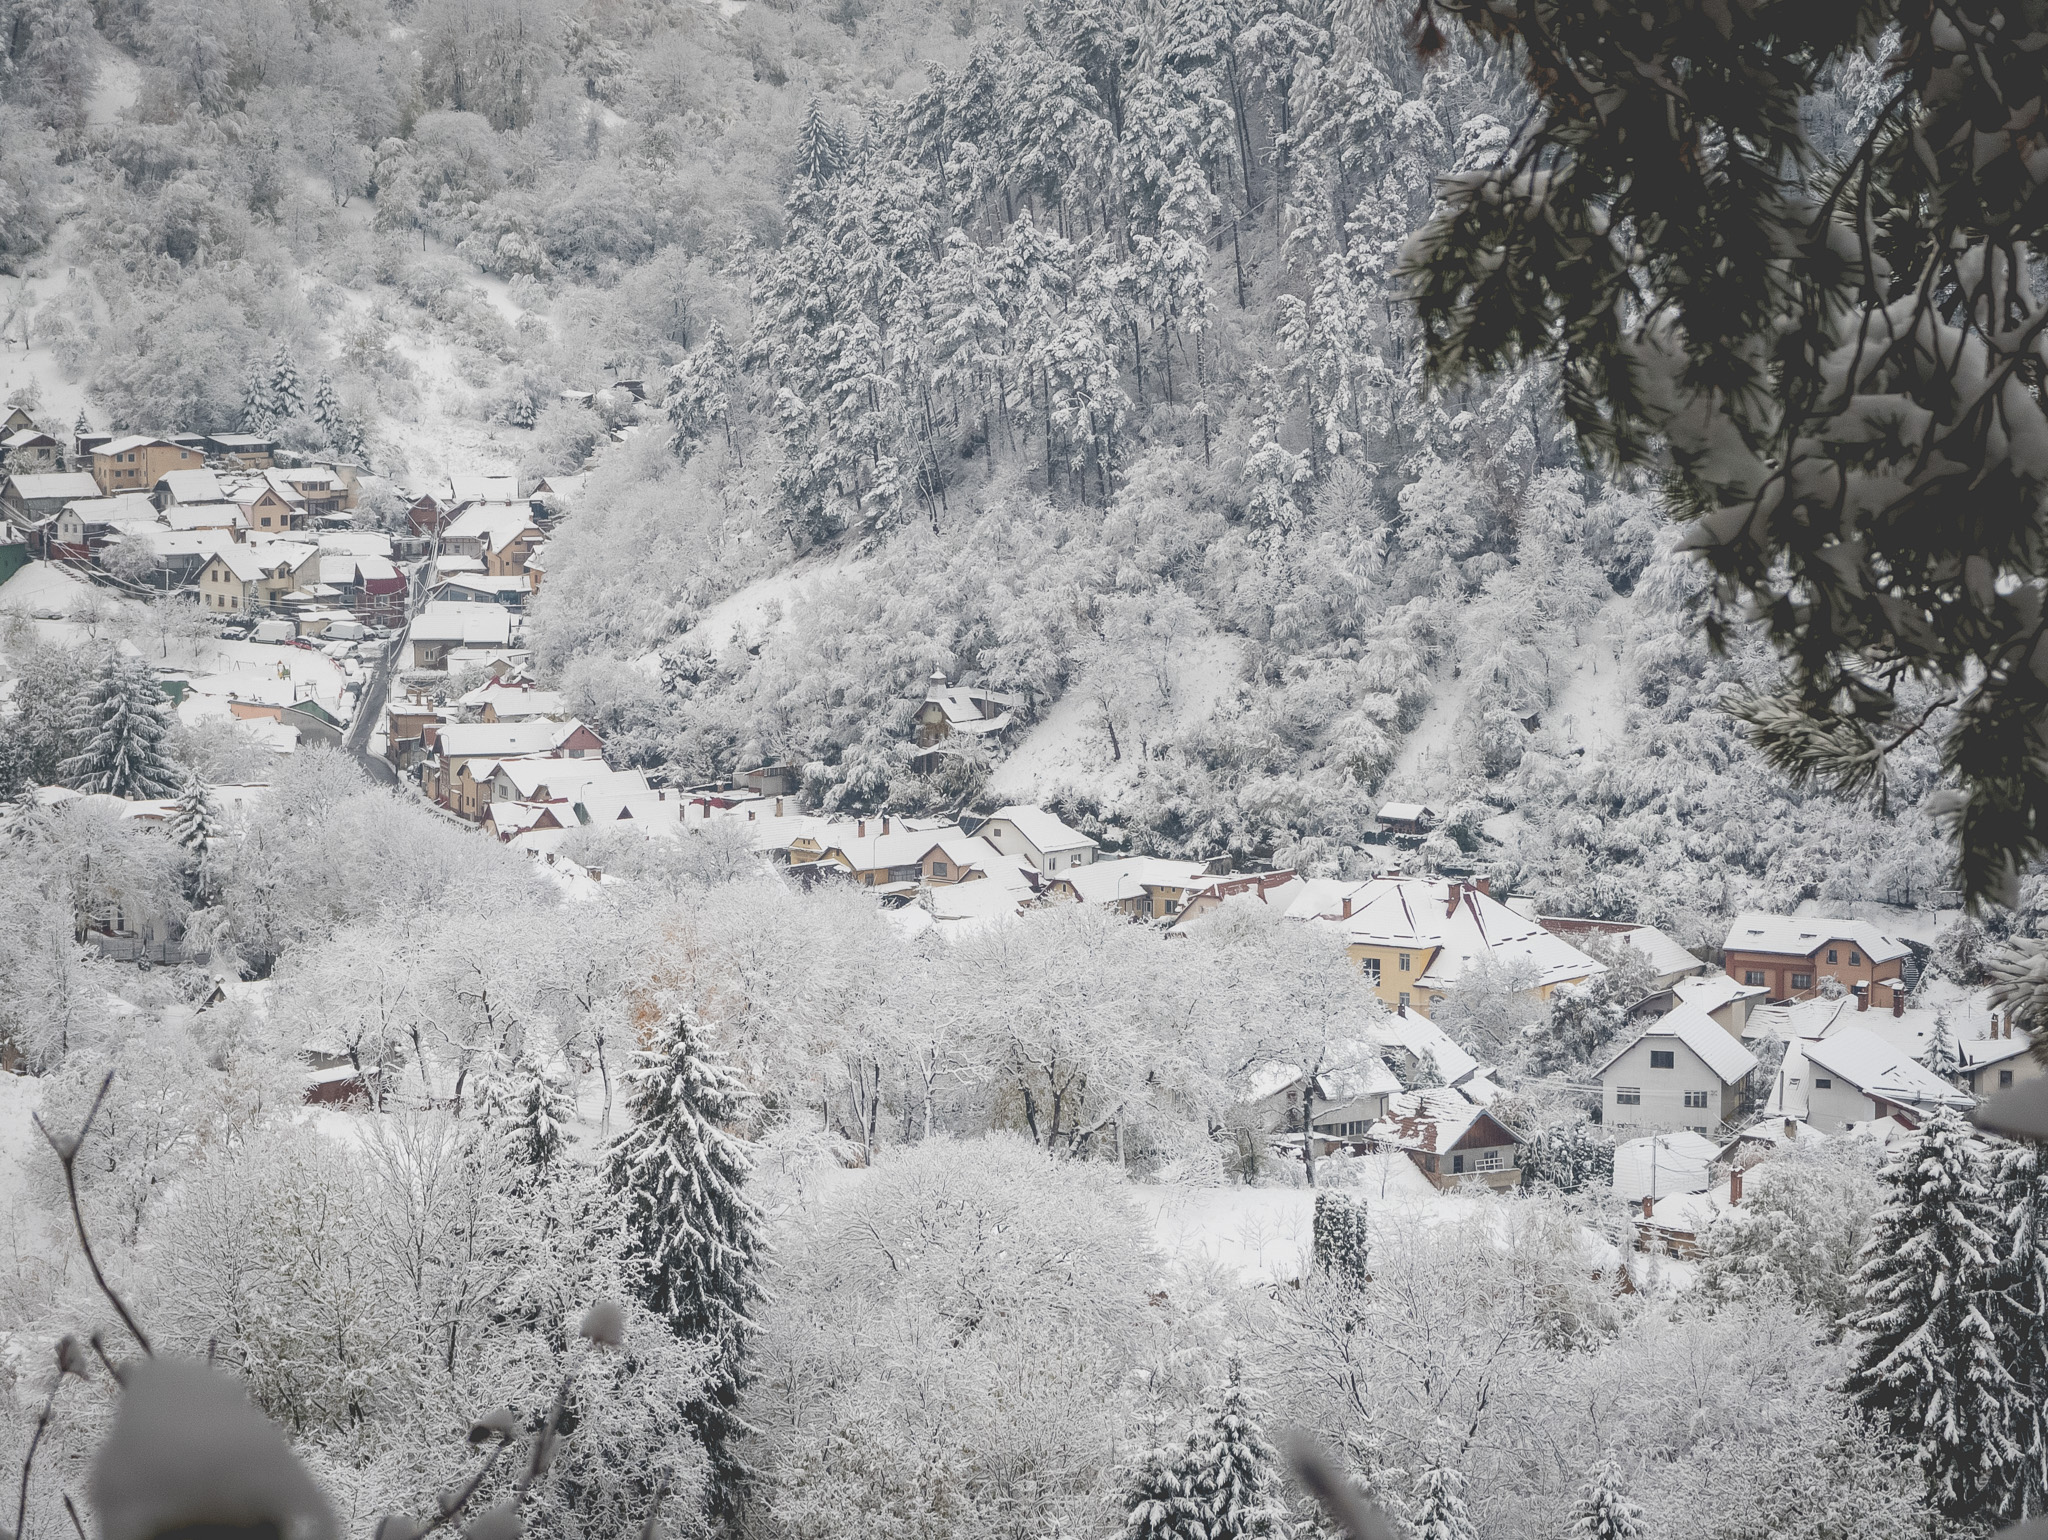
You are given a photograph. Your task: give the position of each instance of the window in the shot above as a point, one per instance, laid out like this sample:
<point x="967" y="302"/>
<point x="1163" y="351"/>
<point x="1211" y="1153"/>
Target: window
<point x="1695" y="1098"/>
<point x="1628" y="1096"/>
<point x="1489" y="1160"/>
<point x="1457" y="1165"/>
<point x="1407" y="963"/>
<point x="1404" y="999"/>
<point x="1753" y="977"/>
<point x="1853" y="957"/>
<point x="1802" y="981"/>
<point x="1831" y="955"/>
<point x="2004" y="1078"/>
<point x="1663" y="1058"/>
<point x="1821" y="1083"/>
<point x="1370" y="967"/>
<point x="938" y="868"/>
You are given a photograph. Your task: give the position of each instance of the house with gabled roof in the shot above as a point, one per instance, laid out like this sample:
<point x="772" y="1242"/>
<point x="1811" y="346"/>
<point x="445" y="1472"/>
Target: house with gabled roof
<point x="1682" y="1070"/>
<point x="138" y="461"/>
<point x="1852" y="1075"/>
<point x="30" y="500"/>
<point x="176" y="489"/>
<point x="499" y="534"/>
<point x="1789" y="956"/>
<point x="1038" y="837"/>
<point x="31" y="452"/>
<point x="1414" y="938"/>
<point x="1450" y="1139"/>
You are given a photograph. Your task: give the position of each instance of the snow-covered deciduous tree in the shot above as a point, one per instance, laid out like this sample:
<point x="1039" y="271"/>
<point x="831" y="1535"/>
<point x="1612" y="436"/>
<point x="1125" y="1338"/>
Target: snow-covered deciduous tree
<point x="1928" y="1367"/>
<point x="695" y="1240"/>
<point x="124" y="720"/>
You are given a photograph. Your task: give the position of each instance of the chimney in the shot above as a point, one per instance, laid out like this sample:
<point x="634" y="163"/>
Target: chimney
<point x="1898" y="1001"/>
<point x="860" y="829"/>
<point x="1483" y="884"/>
<point x="885" y="823"/>
<point x="1347" y="909"/>
<point x="1734" y="1188"/>
<point x="596" y="874"/>
<point x="1649" y="1205"/>
<point x="1791" y="1128"/>
<point x="707" y="809"/>
<point x="1862" y="997"/>
<point x="778" y="807"/>
<point x="750" y="815"/>
<point x="1457" y="891"/>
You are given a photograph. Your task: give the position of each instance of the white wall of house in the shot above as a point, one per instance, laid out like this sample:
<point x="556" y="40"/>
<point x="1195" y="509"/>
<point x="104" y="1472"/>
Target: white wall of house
<point x="1011" y="841"/>
<point x="1686" y="1095"/>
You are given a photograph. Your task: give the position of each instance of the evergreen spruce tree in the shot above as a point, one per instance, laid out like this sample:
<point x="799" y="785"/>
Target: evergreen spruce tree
<point x="1927" y="1367"/>
<point x="1163" y="1501"/>
<point x="820" y="148"/>
<point x="327" y="411"/>
<point x="1341" y="1239"/>
<point x="696" y="1243"/>
<point x="1440" y="1507"/>
<point x="1237" y="1470"/>
<point x="2019" y="1311"/>
<point x="533" y="1109"/>
<point x="1605" y="1512"/>
<point x="123" y="722"/>
<point x="193" y="827"/>
<point x="1942" y="1057"/>
<point x="259" y="414"/>
<point x="287" y="393"/>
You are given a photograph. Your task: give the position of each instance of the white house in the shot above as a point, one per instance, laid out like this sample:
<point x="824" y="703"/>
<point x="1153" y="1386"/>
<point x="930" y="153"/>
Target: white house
<point x="1852" y="1075"/>
<point x="1682" y="1071"/>
<point x="1038" y="837"/>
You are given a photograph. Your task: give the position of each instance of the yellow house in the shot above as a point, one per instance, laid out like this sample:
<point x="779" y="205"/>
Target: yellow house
<point x="135" y="463"/>
<point x="1415" y="938"/>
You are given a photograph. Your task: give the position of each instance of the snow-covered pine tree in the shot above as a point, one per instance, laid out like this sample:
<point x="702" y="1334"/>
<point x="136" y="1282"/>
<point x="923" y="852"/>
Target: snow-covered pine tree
<point x="327" y="410"/>
<point x="695" y="1241"/>
<point x="1237" y="1470"/>
<point x="1162" y="1500"/>
<point x="124" y="720"/>
<point x="1604" y="1511"/>
<point x="1942" y="1057"/>
<point x="193" y="826"/>
<point x="1440" y="1506"/>
<point x="700" y="393"/>
<point x="287" y="392"/>
<point x="2019" y="1314"/>
<point x="80" y="428"/>
<point x="1927" y="1366"/>
<point x="530" y="1127"/>
<point x="259" y="413"/>
<point x="1341" y="1239"/>
<point x="820" y="148"/>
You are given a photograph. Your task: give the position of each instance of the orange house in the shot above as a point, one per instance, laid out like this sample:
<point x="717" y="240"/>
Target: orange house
<point x="135" y="463"/>
<point x="1789" y="956"/>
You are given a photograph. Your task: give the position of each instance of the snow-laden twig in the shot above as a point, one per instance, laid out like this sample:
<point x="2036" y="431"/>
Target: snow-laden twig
<point x="66" y="1151"/>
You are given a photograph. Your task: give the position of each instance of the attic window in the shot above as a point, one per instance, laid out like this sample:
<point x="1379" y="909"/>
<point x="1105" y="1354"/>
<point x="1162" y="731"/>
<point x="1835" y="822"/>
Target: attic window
<point x="1821" y="1083"/>
<point x="1663" y="1058"/>
<point x="1854" y="958"/>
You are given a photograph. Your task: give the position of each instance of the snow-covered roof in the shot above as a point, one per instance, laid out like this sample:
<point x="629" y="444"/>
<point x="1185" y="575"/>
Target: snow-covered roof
<point x="189" y="516"/>
<point x="467" y="740"/>
<point x="900" y="846"/>
<point x="356" y="542"/>
<point x="1108" y="882"/>
<point x="48" y="486"/>
<point x="1661" y="952"/>
<point x="1711" y="991"/>
<point x="1709" y="1041"/>
<point x="1424" y="1039"/>
<point x="520" y="705"/>
<point x="134" y="441"/>
<point x="22" y="438"/>
<point x="1461" y="925"/>
<point x="472" y="624"/>
<point x="1044" y="831"/>
<point x="240" y="561"/>
<point x="1663" y="1165"/>
<point x="1980" y="1051"/>
<point x="1867" y="1062"/>
<point x="497" y="525"/>
<point x="1803" y="935"/>
<point x="1405" y="812"/>
<point x="479" y="487"/>
<point x="1428" y="1122"/>
<point x="1351" y="1070"/>
<point x="192" y="486"/>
